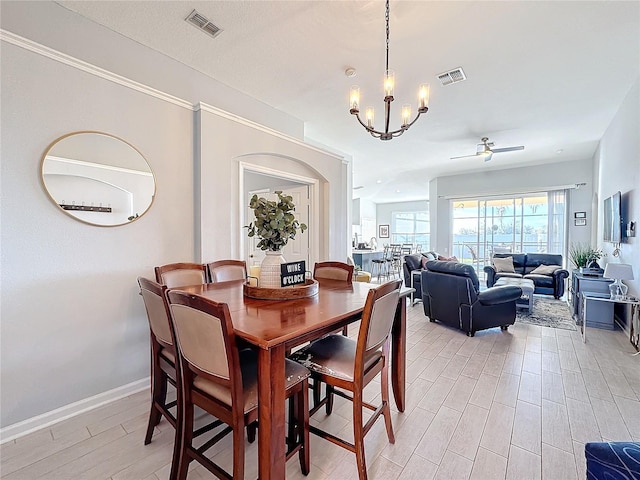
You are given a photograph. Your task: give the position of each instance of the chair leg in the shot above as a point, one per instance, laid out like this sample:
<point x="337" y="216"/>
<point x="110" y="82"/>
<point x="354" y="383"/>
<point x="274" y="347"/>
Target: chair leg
<point x="386" y="411"/>
<point x="329" y="405"/>
<point x="358" y="436"/>
<point x="302" y="415"/>
<point x="252" y="429"/>
<point x="177" y="442"/>
<point x="345" y="331"/>
<point x="317" y="385"/>
<point x="186" y="436"/>
<point x="238" y="452"/>
<point x="158" y="397"/>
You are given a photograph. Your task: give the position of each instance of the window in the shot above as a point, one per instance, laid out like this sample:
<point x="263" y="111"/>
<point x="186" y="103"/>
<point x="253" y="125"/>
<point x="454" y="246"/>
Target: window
<point x="411" y="227"/>
<point x="518" y="224"/>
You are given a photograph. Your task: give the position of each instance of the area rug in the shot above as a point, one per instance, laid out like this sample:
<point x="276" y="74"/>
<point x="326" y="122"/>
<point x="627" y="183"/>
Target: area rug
<point x="548" y="312"/>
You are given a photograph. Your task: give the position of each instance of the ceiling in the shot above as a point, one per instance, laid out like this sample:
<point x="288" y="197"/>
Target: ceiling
<point x="549" y="75"/>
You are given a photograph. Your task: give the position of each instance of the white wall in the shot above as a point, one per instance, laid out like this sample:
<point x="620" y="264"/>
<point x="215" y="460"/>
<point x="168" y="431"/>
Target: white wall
<point x="618" y="168"/>
<point x="385" y="211"/>
<point x="73" y="324"/>
<point x="525" y="179"/>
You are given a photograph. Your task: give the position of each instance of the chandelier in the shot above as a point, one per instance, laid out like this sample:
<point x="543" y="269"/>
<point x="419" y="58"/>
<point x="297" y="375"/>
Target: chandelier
<point x="389" y="80"/>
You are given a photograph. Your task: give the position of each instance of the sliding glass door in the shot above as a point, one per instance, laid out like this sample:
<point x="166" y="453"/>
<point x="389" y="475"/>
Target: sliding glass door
<point x="518" y="224"/>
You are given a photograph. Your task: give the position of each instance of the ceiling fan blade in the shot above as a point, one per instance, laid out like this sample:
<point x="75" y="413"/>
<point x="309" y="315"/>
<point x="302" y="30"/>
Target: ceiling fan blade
<point x="507" y="149"/>
<point x="465" y="156"/>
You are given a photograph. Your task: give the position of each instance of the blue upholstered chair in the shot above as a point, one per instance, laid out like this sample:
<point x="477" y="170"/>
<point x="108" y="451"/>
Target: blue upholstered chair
<point x="613" y="460"/>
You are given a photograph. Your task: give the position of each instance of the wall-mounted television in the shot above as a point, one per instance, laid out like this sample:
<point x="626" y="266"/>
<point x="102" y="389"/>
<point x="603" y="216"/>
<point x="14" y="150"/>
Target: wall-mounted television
<point x="612" y="218"/>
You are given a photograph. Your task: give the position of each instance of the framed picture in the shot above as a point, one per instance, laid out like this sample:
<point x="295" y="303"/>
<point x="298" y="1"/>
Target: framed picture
<point x="580" y="222"/>
<point x="383" y="231"/>
<point x="579" y="214"/>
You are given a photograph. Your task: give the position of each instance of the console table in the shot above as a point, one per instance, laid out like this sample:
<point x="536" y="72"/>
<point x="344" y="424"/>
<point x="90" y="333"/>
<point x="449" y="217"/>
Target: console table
<point x="603" y="304"/>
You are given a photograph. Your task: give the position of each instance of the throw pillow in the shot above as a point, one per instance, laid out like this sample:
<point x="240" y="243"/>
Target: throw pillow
<point x="503" y="265"/>
<point x="545" y="269"/>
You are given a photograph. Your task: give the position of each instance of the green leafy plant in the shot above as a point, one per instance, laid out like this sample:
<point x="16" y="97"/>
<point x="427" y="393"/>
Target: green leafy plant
<point x="275" y="223"/>
<point x="582" y="253"/>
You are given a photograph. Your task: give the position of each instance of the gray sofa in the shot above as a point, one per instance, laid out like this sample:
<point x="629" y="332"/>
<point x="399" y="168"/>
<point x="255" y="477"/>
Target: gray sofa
<point x="551" y="283"/>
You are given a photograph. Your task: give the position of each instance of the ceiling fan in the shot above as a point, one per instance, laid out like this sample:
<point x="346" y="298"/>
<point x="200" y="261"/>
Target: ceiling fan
<point x="486" y="150"/>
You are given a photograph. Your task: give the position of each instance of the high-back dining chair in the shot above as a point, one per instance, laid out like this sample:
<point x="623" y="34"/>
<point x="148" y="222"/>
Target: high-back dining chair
<point x="333" y="270"/>
<point x="181" y="274"/>
<point x="163" y="364"/>
<point x="227" y="270"/>
<point x="222" y="380"/>
<point x="348" y="365"/>
<point x="163" y="355"/>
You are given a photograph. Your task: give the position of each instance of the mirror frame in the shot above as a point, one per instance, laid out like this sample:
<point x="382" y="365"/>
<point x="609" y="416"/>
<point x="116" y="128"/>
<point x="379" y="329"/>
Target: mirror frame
<point x="70" y="212"/>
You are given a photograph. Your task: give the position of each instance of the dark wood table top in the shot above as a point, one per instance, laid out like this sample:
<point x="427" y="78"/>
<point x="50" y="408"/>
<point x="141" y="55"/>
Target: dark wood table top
<point x="266" y="323"/>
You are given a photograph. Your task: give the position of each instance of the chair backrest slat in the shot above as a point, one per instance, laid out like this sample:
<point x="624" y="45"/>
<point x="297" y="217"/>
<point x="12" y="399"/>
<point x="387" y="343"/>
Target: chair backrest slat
<point x="227" y="270"/>
<point x="377" y="317"/>
<point x="334" y="271"/>
<point x="157" y="310"/>
<point x="201" y="340"/>
<point x="181" y="274"/>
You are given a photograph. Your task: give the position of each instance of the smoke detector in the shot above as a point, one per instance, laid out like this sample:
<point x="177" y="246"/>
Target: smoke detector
<point x="202" y="23"/>
<point x="452" y="76"/>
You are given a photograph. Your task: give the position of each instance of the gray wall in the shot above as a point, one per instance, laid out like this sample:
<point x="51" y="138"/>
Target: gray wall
<point x="618" y="169"/>
<point x="73" y="324"/>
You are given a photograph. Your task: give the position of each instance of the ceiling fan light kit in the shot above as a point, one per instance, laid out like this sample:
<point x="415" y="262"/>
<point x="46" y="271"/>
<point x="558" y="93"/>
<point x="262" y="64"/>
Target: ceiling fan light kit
<point x="389" y="83"/>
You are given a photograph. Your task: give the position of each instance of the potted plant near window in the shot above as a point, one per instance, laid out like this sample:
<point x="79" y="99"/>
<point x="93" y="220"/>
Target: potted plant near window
<point x="582" y="255"/>
<point x="274" y="224"/>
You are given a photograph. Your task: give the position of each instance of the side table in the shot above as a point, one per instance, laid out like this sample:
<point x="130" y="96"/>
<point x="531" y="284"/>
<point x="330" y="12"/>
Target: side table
<point x="588" y="297"/>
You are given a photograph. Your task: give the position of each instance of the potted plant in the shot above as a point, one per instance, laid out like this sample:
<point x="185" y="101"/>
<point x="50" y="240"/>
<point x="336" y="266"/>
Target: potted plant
<point x="582" y="254"/>
<point x="274" y="224"/>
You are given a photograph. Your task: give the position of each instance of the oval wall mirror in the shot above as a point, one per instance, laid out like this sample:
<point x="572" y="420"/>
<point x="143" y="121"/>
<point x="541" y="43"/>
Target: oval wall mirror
<point x="97" y="178"/>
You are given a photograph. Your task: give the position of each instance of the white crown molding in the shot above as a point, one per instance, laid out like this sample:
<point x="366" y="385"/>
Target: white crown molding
<point x="45" y="51"/>
<point x="39" y="422"/>
<point x="34" y="47"/>
<point x="249" y="123"/>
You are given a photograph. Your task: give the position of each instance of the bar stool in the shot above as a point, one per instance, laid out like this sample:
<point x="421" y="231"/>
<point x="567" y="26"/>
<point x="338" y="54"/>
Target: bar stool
<point x="381" y="265"/>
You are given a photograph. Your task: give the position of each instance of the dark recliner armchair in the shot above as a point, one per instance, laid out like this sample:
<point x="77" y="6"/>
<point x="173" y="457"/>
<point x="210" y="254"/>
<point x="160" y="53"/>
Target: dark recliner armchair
<point x="450" y="295"/>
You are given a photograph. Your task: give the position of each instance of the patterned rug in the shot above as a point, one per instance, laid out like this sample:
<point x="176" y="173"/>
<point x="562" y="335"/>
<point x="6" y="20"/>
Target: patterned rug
<point x="548" y="312"/>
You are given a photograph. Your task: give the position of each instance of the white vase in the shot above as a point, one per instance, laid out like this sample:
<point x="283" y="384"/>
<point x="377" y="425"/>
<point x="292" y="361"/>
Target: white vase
<point x="270" y="269"/>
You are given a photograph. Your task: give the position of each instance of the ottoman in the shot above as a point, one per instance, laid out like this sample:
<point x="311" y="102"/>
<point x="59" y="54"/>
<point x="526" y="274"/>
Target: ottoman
<point x="362" y="276"/>
<point x="527" y="286"/>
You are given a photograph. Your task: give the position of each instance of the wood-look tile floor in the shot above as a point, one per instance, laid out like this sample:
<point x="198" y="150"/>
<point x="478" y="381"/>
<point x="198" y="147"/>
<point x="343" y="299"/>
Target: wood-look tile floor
<point x="502" y="405"/>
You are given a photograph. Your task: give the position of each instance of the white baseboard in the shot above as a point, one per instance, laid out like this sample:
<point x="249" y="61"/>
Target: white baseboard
<point x="39" y="422"/>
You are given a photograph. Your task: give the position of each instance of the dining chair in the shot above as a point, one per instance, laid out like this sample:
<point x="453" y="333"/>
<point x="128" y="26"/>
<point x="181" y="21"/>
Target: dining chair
<point x="350" y="365"/>
<point x="181" y="274"/>
<point x="163" y="363"/>
<point x="333" y="270"/>
<point x="163" y="356"/>
<point x="227" y="270"/>
<point x="222" y="380"/>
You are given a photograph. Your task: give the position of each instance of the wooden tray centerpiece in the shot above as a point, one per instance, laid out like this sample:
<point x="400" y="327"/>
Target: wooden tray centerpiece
<point x="307" y="289"/>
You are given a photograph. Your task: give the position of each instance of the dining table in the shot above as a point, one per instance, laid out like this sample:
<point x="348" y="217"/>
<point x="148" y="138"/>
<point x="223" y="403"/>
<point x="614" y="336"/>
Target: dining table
<point x="274" y="327"/>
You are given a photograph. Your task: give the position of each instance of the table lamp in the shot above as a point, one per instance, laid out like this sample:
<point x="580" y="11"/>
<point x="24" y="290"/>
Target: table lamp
<point x="619" y="272"/>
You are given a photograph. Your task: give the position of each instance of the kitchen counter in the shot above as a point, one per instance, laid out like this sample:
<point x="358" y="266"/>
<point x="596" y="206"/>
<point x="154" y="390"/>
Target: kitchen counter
<point x="363" y="258"/>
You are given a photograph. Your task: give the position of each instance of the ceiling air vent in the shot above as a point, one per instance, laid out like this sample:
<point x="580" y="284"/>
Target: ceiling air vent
<point x="203" y="23"/>
<point x="452" y="76"/>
